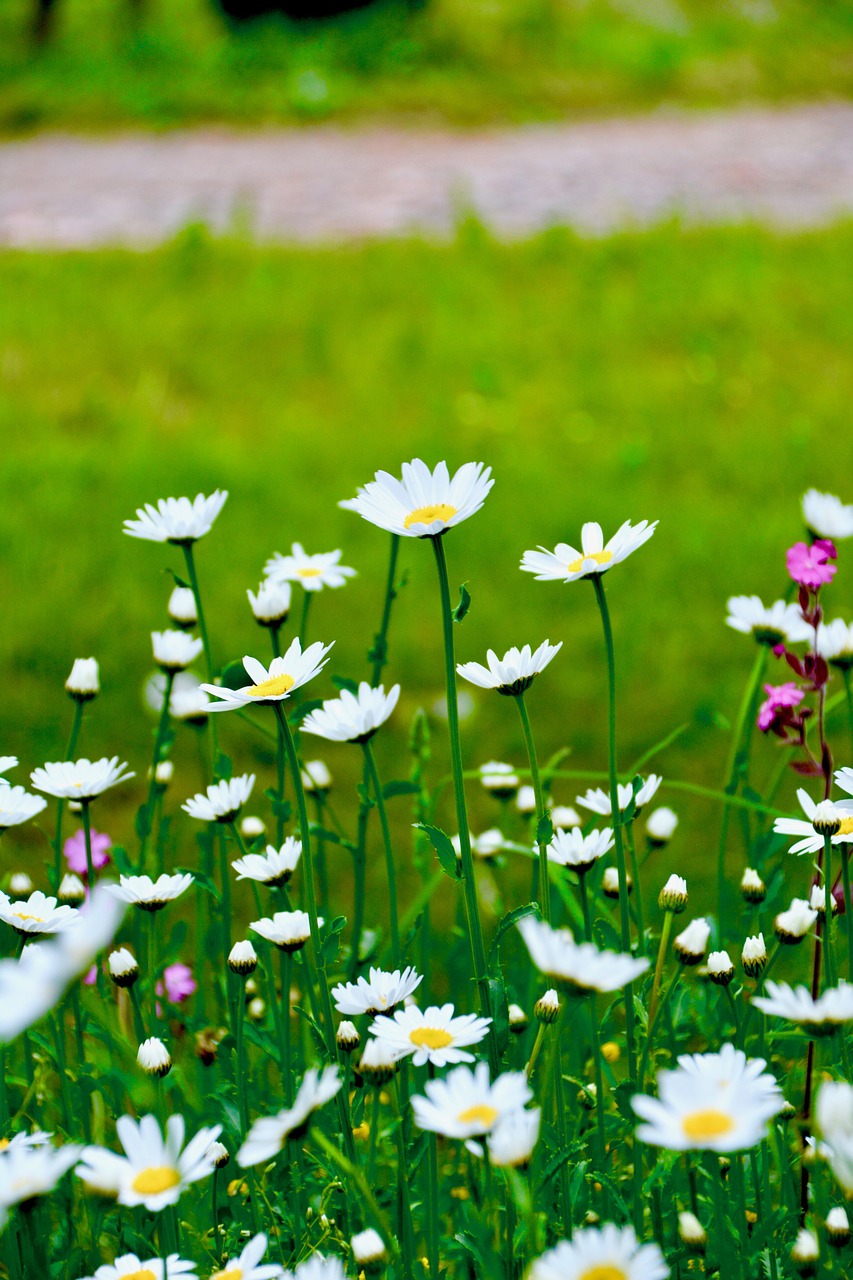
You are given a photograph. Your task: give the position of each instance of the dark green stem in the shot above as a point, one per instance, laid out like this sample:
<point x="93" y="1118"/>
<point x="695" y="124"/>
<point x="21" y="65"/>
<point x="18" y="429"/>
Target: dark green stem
<point x="303" y="623"/>
<point x="162" y="726"/>
<point x="544" y="877"/>
<point x="379" y="653"/>
<point x="60" y="808"/>
<point x="390" y="869"/>
<point x="734" y="768"/>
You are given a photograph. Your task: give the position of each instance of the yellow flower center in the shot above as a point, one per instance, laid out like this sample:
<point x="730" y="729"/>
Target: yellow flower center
<point x="431" y="1037"/>
<point x="707" y="1124"/>
<point x="303" y="573"/>
<point x="426" y="515"/>
<point x="846" y="828"/>
<point x="22" y="915"/>
<point x="145" y="1274"/>
<point x="150" y="1182"/>
<point x="233" y="1273"/>
<point x="274" y="687"/>
<point x="600" y="557"/>
<point x="481" y="1114"/>
<point x="604" y="1271"/>
<point x="4" y="1142"/>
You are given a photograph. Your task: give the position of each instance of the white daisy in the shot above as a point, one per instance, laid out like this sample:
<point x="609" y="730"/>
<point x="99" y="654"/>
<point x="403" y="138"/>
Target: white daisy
<point x="499" y="779"/>
<point x="661" y="824"/>
<point x="712" y="1102"/>
<point x="271" y="605"/>
<point x="222" y="801"/>
<point x="275" y="683"/>
<point x="835" y="643"/>
<point x="424" y="503"/>
<point x="574" y="849"/>
<point x="564" y="817"/>
<point x="148" y="894"/>
<point x="7" y="763"/>
<point x="691" y="944"/>
<point x="566" y="564"/>
<point x="834" y="1113"/>
<point x="769" y="624"/>
<point x="381" y="992"/>
<point x="131" y="1267"/>
<point x="276" y="866"/>
<point x="28" y="1170"/>
<point x="18" y="805"/>
<point x="182" y="607"/>
<point x="37" y="915"/>
<point x="605" y="1253"/>
<point x="466" y="1104"/>
<point x="316" y="776"/>
<point x="791" y="926"/>
<point x="83" y="682"/>
<point x="287" y="930"/>
<point x="174" y="650"/>
<point x="351" y="717"/>
<point x="267" y="1136"/>
<point x="512" y="1140"/>
<point x="246" y="1266"/>
<point x="178" y="520"/>
<point x="811" y="841"/>
<point x="579" y="968"/>
<point x="189" y="702"/>
<point x="844" y="779"/>
<point x="486" y="845"/>
<point x="431" y="1035"/>
<point x="827" y="516"/>
<point x="154" y="1171"/>
<point x="313" y="572"/>
<point x="514" y="672"/>
<point x="23" y="1139"/>
<point x="598" y="801"/>
<point x="79" y="779"/>
<point x="818" y="1017"/>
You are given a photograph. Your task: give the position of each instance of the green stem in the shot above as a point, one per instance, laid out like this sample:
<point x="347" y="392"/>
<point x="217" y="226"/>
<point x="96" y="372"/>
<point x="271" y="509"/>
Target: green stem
<point x="189" y="560"/>
<point x="663" y="947"/>
<point x="735" y="1016"/>
<point x="390" y="869"/>
<point x="285" y="965"/>
<point x="848" y="693"/>
<point x="355" y="1174"/>
<point x="433" y="1215"/>
<point x="472" y="911"/>
<point x="379" y="653"/>
<point x="241" y="1062"/>
<point x="638" y="888"/>
<point x="599" y="1083"/>
<point x="848" y="907"/>
<point x="60" y="808"/>
<point x="280" y="761"/>
<point x="85" y="1103"/>
<point x="734" y="768"/>
<point x="274" y="639"/>
<point x="534" y="1054"/>
<point x="544" y="876"/>
<point x="303" y="623"/>
<point x="162" y="726"/>
<point x="587" y="917"/>
<point x="829" y="975"/>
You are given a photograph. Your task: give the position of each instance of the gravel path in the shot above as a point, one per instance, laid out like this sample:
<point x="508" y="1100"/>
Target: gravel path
<point x="791" y="167"/>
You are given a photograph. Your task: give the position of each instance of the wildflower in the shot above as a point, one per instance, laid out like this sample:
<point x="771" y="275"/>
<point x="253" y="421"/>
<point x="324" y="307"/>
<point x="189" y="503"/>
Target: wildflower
<point x="317" y="1268"/>
<point x="466" y="1104"/>
<point x="517" y="1019"/>
<point x="811" y="841"/>
<point x="817" y="900"/>
<point x="79" y="779"/>
<point x="547" y="1007"/>
<point x="268" y="1136"/>
<point x="566" y="564"/>
<point x="148" y="894"/>
<point x="835" y="643"/>
<point x="21" y="885"/>
<point x="691" y="1232"/>
<point x="809" y="565"/>
<point x="271" y="605"/>
<point x="381" y="992"/>
<point x="352" y="717"/>
<point x="827" y="516"/>
<point x="174" y="650"/>
<point x="246" y="1266"/>
<point x="182" y="607"/>
<point x="512" y="674"/>
<point x="347" y="1038"/>
<point x="130" y="1267"/>
<point x="30" y="1169"/>
<point x="154" y="1058"/>
<point x="673" y="896"/>
<point x="499" y="779"/>
<point x="71" y="890"/>
<point x="712" y="1102"/>
<point x="7" y="763"/>
<point x="660" y="826"/>
<point x="123" y="968"/>
<point x="511" y="1141"/>
<point x="608" y="1253"/>
<point x="220" y="1154"/>
<point x="38" y="914"/>
<point x="154" y="1171"/>
<point x="378" y="1062"/>
<point x="579" y="968"/>
<point x="564" y="817"/>
<point x="692" y="943"/>
<point x="838" y="1227"/>
<point x="178" y="983"/>
<point x="525" y="801"/>
<point x="222" y="801"/>
<point x="283" y="677"/>
<point x="578" y="852"/>
<point x="18" y="805"/>
<point x="74" y="850"/>
<point x="83" y="683"/>
<point x="178" y="520"/>
<point x="189" y="703"/>
<point x="243" y="958"/>
<point x="369" y="1252"/>
<point x="720" y="968"/>
<point x="834" y="1112"/>
<point x="486" y="845"/>
<point x="791" y="926"/>
<point x="316" y="776"/>
<point x="274" y="867"/>
<point x="287" y="930"/>
<point x="819" y="1016"/>
<point x="769" y="624"/>
<point x="805" y="1254"/>
<point x="163" y="772"/>
<point x="598" y="801"/>
<point x="752" y="887"/>
<point x="431" y="1035"/>
<point x="424" y="503"/>
<point x="610" y="883"/>
<point x="313" y="572"/>
<point x="754" y="955"/>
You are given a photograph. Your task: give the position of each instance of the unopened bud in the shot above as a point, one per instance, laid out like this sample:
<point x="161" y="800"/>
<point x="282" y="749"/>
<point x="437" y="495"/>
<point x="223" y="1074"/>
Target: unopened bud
<point x="256" y="1009"/>
<point x="347" y="1037"/>
<point x="754" y="956"/>
<point x="691" y="1232"/>
<point x="791" y="926"/>
<point x="692" y="943"/>
<point x="378" y="1063"/>
<point x="154" y="1057"/>
<point x="586" y="1097"/>
<point x="752" y="887"/>
<point x="243" y="958"/>
<point x="83" y="683"/>
<point x="517" y="1019"/>
<point x="673" y="896"/>
<point x="71" y="890"/>
<point x="220" y="1155"/>
<point x="827" y="819"/>
<point x="123" y="967"/>
<point x="805" y="1254"/>
<point x="369" y="1252"/>
<point x="610" y="883"/>
<point x="547" y="1007"/>
<point x="837" y="1227"/>
<point x="20" y="884"/>
<point x="720" y="968"/>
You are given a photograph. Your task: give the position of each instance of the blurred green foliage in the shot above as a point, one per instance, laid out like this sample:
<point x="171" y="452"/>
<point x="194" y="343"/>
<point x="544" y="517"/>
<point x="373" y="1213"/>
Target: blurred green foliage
<point x="466" y="61"/>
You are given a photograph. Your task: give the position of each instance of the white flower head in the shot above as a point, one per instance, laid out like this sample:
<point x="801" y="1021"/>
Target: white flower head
<point x="598" y="800"/>
<point x="608" y="1252"/>
<point x="827" y="516"/>
<point x="835" y="643"/>
<point x="692" y="943"/>
<point x="499" y="779"/>
<point x="424" y="503"/>
<point x="182" y="607"/>
<point x="243" y="958"/>
<point x="317" y="1267"/>
<point x="18" y="805"/>
<point x="7" y="763"/>
<point x="754" y="955"/>
<point x="791" y="926"/>
<point x="514" y="672"/>
<point x="174" y="650"/>
<point x="273" y="684"/>
<point x="513" y="1138"/>
<point x="834" y="1114"/>
<point x="177" y="520"/>
<point x="246" y="1266"/>
<point x="130" y="1267"/>
<point x="466" y="1104"/>
<point x="578" y="852"/>
<point x="124" y="969"/>
<point x="20" y="884"/>
<point x="153" y="1057"/>
<point x="769" y="624"/>
<point x="805" y="1252"/>
<point x="525" y="801"/>
<point x="164" y="771"/>
<point x="810" y="840"/>
<point x="154" y="1170"/>
<point x="271" y="605"/>
<point x="661" y="824"/>
<point x="148" y="894"/>
<point x="352" y="717"/>
<point x="564" y="817"/>
<point x="752" y="887"/>
<point x="819" y="1016"/>
<point x="276" y="866"/>
<point x="79" y="779"/>
<point x="287" y="930"/>
<point x="487" y="845"/>
<point x="189" y="702"/>
<point x="566" y="563"/>
<point x="83" y="683"/>
<point x="673" y="895"/>
<point x="316" y="776"/>
<point x="29" y="1169"/>
<point x="431" y="1035"/>
<point x="380" y="992"/>
<point x="222" y="801"/>
<point x="268" y="1136"/>
<point x="578" y="968"/>
<point x="368" y="1250"/>
<point x="313" y="572"/>
<point x="720" y="968"/>
<point x="37" y="915"/>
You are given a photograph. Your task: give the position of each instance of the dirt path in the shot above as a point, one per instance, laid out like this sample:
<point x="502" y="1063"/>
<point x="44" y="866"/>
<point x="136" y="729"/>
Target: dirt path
<point x="788" y="167"/>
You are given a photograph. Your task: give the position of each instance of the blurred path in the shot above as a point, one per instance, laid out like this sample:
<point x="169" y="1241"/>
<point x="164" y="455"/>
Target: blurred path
<point x="789" y="167"/>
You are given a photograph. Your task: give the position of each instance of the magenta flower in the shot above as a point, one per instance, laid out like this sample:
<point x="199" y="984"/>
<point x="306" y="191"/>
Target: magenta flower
<point x="91" y="977"/>
<point x="808" y="565"/>
<point x="179" y="983"/>
<point x="779" y="696"/>
<point x="75" y="851"/>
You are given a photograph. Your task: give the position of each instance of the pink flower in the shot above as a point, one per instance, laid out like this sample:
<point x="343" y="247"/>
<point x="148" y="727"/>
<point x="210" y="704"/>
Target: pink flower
<point x="808" y="565"/>
<point x="75" y="851"/>
<point x="92" y="976"/>
<point x="179" y="983"/>
<point x="778" y="696"/>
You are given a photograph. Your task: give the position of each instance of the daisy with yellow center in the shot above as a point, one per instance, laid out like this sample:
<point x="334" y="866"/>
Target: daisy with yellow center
<point x="274" y="683"/>
<point x="423" y="503"/>
<point x="606" y="1253"/>
<point x="130" y="1267"/>
<point x="567" y="563"/>
<point x="37" y="915"/>
<point x="467" y="1104"/>
<point x="246" y="1266"/>
<point x="154" y="1170"/>
<point x="810" y="839"/>
<point x="314" y="572"/>
<point x="431" y="1035"/>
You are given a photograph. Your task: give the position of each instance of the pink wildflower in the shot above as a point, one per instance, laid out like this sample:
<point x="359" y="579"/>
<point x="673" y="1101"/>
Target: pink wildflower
<point x="808" y="565"/>
<point x="75" y="851"/>
<point x="91" y="977"/>
<point x="179" y="983"/>
<point x="778" y="696"/>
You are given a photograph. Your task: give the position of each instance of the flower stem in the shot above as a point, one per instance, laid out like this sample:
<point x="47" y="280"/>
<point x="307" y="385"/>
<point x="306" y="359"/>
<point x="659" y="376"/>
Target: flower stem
<point x="356" y="1175"/>
<point x="829" y="977"/>
<point x="599" y="1082"/>
<point x="189" y="559"/>
<point x="150" y="803"/>
<point x="303" y="622"/>
<point x="734" y="768"/>
<point x="390" y="870"/>
<point x="285" y="965"/>
<point x="638" y="888"/>
<point x="587" y="917"/>
<point x="848" y="907"/>
<point x="544" y="877"/>
<point x="379" y="652"/>
<point x="60" y="808"/>
<point x="663" y="947"/>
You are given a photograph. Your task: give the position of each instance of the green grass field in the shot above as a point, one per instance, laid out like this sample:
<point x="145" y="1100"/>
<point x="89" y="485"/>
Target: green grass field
<point x="702" y="378"/>
<point x="454" y="60"/>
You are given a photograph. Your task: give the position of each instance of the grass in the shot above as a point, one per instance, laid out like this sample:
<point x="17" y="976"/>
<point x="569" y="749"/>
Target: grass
<point x="701" y="377"/>
<point x="453" y="60"/>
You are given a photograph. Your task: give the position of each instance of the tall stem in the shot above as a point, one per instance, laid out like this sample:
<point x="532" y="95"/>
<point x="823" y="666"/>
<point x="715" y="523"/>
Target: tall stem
<point x="472" y="911"/>
<point x="379" y="652"/>
<point x="60" y="808"/>
<point x="303" y="623"/>
<point x="638" y="888"/>
<point x="733" y="769"/>
<point x="662" y="950"/>
<point x="544" y="877"/>
<point x="829" y="902"/>
<point x="162" y="726"/>
<point x="189" y="559"/>
<point x="390" y="870"/>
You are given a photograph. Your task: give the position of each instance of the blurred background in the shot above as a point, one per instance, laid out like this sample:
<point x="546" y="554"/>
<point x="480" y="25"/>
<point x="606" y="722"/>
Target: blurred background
<point x="660" y="368"/>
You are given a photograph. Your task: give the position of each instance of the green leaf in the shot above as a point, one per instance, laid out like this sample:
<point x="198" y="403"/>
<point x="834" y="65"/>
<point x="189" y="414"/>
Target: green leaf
<point x="203" y="881"/>
<point x="500" y="1012"/>
<point x="177" y="579"/>
<point x="511" y="918"/>
<point x="464" y="603"/>
<point x="443" y="846"/>
<point x="223" y="768"/>
<point x="344" y="682"/>
<point x="401" y="787"/>
<point x="545" y="829"/>
<point x="330" y="945"/>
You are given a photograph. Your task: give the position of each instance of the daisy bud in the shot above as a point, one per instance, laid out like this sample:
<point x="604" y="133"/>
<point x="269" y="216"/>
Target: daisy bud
<point x="243" y="958"/>
<point x="720" y="968"/>
<point x="252" y="827"/>
<point x="691" y="944"/>
<point x="660" y="826"/>
<point x="752" y="887"/>
<point x="378" y="1063"/>
<point x="673" y="896"/>
<point x="123" y="967"/>
<point x="182" y="607"/>
<point x="500" y="780"/>
<point x="369" y="1252"/>
<point x="21" y="885"/>
<point x="71" y="890"/>
<point x="564" y="818"/>
<point x="347" y="1037"/>
<point x="610" y="883"/>
<point x="691" y="1232"/>
<point x="611" y="1051"/>
<point x="525" y="801"/>
<point x="316" y="776"/>
<point x="250" y="988"/>
<point x="219" y="1154"/>
<point x="83" y="683"/>
<point x="271" y="605"/>
<point x="174" y="650"/>
<point x="827" y="819"/>
<point x="805" y="1254"/>
<point x="547" y="1007"/>
<point x="788" y="1111"/>
<point x="256" y="1009"/>
<point x="517" y="1019"/>
<point x="154" y="1057"/>
<point x="164" y="773"/>
<point x="837" y="1227"/>
<point x="754" y="956"/>
<point x="791" y="926"/>
<point x="591" y="1218"/>
<point x="817" y="900"/>
<point x="586" y="1097"/>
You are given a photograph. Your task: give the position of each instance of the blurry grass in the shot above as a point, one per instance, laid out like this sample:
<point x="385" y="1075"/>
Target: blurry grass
<point x="465" y="61"/>
<point x="701" y="377"/>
